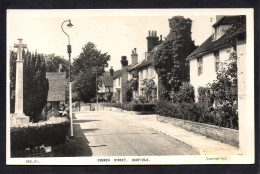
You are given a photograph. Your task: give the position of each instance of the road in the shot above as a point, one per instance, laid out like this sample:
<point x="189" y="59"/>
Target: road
<point x="112" y="134"/>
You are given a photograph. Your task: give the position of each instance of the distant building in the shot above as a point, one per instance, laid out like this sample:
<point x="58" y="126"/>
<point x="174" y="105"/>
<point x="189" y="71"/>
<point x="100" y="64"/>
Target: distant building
<point x="206" y="60"/>
<point x="57" y="86"/>
<point x="119" y="83"/>
<point x="106" y="86"/>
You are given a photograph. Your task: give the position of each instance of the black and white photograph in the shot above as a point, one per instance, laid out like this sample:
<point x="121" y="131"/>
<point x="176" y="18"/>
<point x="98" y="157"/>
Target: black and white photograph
<point x="130" y="87"/>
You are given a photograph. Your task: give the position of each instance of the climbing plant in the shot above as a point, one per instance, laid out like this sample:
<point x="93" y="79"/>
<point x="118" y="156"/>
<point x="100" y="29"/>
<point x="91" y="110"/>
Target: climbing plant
<point x="170" y="60"/>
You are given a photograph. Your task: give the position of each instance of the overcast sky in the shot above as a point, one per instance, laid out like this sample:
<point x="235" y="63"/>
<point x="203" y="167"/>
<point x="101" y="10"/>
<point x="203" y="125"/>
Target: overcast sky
<point x="114" y="31"/>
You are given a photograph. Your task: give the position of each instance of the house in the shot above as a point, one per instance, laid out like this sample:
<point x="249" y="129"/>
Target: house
<point x="145" y="68"/>
<point x="106" y="86"/>
<point x="57" y="86"/>
<point x="206" y="60"/>
<point x="119" y="84"/>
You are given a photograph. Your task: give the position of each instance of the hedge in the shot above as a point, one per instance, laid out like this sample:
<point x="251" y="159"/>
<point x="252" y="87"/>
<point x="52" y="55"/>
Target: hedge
<point x="197" y="112"/>
<point x="132" y="106"/>
<point x="49" y="133"/>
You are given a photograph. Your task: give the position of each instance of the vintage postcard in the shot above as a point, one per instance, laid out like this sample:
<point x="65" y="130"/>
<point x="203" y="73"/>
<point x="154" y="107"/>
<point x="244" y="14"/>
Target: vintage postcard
<point x="130" y="87"/>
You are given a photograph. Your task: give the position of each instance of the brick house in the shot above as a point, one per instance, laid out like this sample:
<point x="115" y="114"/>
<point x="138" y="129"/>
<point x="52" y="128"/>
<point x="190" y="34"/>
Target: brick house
<point x="206" y="60"/>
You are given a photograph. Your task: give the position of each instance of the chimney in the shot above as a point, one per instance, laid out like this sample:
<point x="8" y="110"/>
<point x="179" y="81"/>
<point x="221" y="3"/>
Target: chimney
<point x="134" y="57"/>
<point x="111" y="71"/>
<point x="152" y="40"/>
<point x="160" y="38"/>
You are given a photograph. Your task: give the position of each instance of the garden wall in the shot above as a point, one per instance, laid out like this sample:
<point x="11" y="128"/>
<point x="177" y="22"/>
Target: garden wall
<point x="225" y="135"/>
<point x="128" y="112"/>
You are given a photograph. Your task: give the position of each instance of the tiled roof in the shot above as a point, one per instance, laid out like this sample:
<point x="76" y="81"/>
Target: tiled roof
<point x="118" y="73"/>
<point x="107" y="80"/>
<point x="57" y="85"/>
<point x="227" y="20"/>
<point x="211" y="45"/>
<point x="208" y="46"/>
<point x="148" y="62"/>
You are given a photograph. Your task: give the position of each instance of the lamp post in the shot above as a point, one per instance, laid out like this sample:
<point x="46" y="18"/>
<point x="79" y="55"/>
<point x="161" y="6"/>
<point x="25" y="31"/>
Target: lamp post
<point x="70" y="94"/>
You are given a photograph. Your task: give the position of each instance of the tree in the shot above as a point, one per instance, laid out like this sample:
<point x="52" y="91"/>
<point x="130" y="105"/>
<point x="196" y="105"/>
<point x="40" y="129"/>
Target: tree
<point x="170" y="60"/>
<point x="84" y="75"/>
<point x="53" y="64"/>
<point x="124" y="61"/>
<point x="35" y="84"/>
<point x="225" y="92"/>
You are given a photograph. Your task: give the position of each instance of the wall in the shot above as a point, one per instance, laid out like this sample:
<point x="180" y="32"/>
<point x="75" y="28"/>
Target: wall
<point x="116" y="84"/>
<point x="124" y="78"/>
<point x="209" y="69"/>
<point x="225" y="135"/>
<point x="242" y="96"/>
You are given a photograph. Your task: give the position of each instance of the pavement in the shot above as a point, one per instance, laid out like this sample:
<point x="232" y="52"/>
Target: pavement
<point x="113" y="134"/>
<point x="204" y="145"/>
<point x="118" y="134"/>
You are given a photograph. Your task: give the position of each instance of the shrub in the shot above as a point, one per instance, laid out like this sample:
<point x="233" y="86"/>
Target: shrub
<point x="197" y="112"/>
<point x="185" y="94"/>
<point x="132" y="106"/>
<point x="49" y="133"/>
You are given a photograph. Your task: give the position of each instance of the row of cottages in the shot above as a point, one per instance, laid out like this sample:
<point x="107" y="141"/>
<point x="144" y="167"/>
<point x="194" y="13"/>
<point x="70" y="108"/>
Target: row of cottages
<point x="206" y="60"/>
<point x="138" y="70"/>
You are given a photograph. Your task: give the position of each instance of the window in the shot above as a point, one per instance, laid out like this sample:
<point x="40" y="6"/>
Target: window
<point x="200" y="66"/>
<point x="217" y="61"/>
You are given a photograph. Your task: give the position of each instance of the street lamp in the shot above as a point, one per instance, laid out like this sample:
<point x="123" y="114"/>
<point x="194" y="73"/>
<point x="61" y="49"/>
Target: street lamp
<point x="70" y="93"/>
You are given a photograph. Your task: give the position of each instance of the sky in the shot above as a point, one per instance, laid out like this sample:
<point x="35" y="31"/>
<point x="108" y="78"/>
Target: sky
<point x="116" y="32"/>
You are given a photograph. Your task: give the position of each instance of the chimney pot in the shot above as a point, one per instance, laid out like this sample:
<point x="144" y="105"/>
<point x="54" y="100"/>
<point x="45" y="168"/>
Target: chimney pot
<point x="160" y="37"/>
<point x="149" y="32"/>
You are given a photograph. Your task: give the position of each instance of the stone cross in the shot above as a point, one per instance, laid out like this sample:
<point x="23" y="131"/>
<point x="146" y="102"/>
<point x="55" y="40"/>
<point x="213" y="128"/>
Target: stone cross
<point x="19" y="116"/>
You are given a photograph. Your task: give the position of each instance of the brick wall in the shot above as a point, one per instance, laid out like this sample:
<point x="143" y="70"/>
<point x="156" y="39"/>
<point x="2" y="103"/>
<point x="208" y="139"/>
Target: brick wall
<point x="225" y="135"/>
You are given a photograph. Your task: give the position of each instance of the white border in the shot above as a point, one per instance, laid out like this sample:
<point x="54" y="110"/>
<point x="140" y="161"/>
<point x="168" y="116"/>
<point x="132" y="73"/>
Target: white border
<point x="248" y="158"/>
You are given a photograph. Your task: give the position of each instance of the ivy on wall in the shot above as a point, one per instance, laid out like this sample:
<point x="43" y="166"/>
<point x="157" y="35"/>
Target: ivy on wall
<point x="170" y="60"/>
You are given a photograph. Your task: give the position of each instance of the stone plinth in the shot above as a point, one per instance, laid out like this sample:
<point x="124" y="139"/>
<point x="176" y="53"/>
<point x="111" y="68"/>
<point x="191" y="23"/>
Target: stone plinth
<point x="19" y="119"/>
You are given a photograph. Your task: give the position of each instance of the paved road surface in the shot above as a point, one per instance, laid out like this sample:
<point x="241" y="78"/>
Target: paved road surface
<point x="111" y="134"/>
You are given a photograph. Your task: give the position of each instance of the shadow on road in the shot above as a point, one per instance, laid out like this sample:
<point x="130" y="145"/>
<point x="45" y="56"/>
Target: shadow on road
<point x="84" y="121"/>
<point x="89" y="130"/>
<point x="76" y="146"/>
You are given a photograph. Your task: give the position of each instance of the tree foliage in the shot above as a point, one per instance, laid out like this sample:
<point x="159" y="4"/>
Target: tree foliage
<point x="185" y="94"/>
<point x="84" y="73"/>
<point x="225" y="90"/>
<point x="53" y="64"/>
<point x="124" y="61"/>
<point x="149" y="89"/>
<point x="170" y="60"/>
<point x="35" y="84"/>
